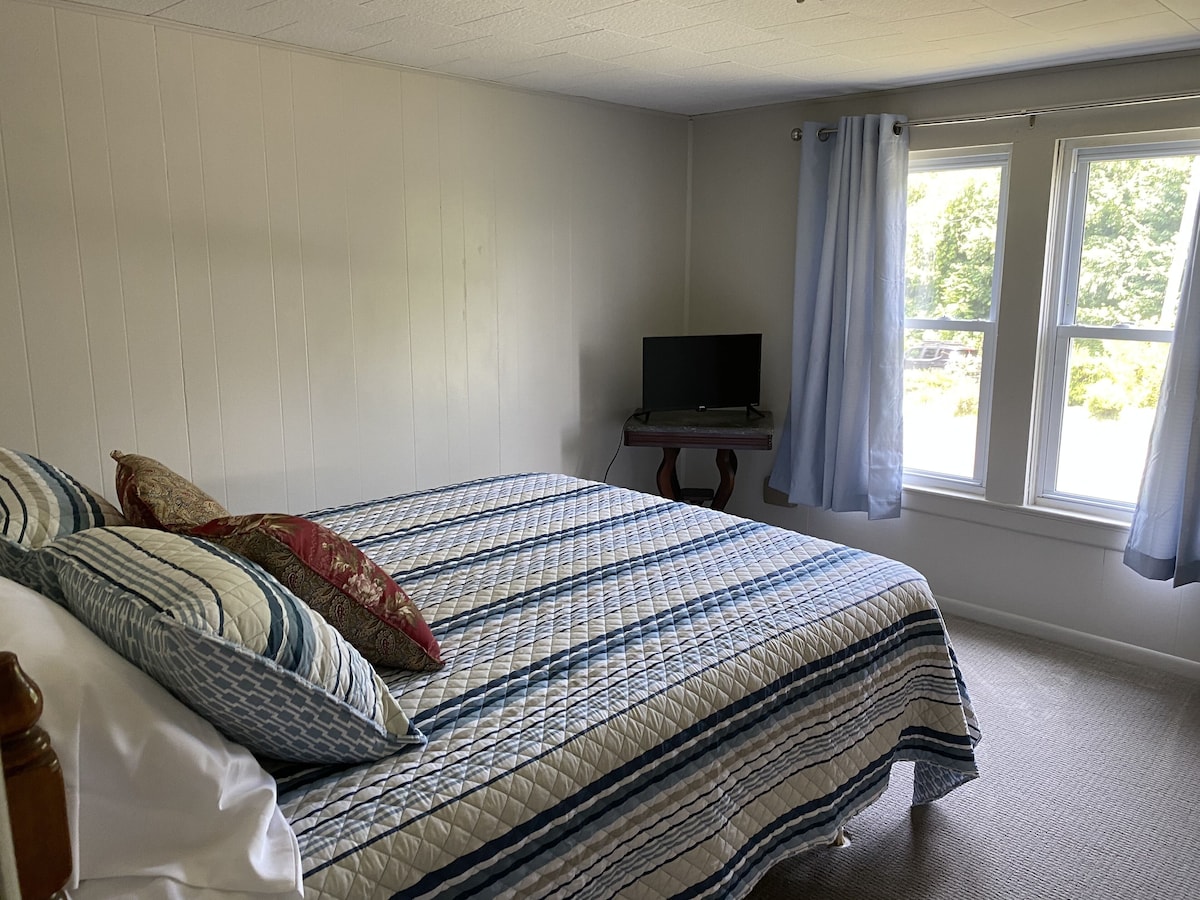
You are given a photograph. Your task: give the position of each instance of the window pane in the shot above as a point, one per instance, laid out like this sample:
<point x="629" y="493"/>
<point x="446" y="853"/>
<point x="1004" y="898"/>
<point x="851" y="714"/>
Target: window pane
<point x="1112" y="391"/>
<point x="1132" y="256"/>
<point x="941" y="400"/>
<point x="951" y="242"/>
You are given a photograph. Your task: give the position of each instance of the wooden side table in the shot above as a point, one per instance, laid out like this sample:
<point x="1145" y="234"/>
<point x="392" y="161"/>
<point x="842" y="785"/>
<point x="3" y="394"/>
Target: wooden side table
<point x="722" y="430"/>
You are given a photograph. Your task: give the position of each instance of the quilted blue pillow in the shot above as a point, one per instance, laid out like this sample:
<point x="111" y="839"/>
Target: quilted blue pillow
<point x="231" y="642"/>
<point x="40" y="502"/>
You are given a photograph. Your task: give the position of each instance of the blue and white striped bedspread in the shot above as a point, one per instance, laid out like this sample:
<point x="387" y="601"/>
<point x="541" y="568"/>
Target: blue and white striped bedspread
<point x="642" y="699"/>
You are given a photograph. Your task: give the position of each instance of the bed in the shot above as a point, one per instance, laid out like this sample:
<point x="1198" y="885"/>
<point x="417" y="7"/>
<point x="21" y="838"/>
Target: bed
<point x="640" y="699"/>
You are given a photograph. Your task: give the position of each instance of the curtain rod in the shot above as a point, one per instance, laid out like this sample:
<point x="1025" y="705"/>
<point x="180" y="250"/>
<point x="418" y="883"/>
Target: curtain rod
<point x="1023" y="113"/>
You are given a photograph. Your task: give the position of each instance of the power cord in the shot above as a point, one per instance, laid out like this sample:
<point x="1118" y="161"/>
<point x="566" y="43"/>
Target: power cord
<point x="620" y="443"/>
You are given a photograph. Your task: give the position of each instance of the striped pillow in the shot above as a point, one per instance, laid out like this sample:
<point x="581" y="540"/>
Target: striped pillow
<point x="231" y="642"/>
<point x="40" y="502"/>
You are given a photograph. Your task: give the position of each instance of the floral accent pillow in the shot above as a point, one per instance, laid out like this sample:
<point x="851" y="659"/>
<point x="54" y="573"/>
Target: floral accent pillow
<point x="336" y="579"/>
<point x="153" y="496"/>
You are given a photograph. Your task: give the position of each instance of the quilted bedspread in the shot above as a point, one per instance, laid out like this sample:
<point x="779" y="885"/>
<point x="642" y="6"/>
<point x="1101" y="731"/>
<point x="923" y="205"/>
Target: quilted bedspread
<point x="642" y="699"/>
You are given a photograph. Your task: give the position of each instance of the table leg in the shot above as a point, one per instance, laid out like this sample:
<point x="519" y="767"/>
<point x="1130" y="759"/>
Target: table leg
<point x="727" y="466"/>
<point x="668" y="481"/>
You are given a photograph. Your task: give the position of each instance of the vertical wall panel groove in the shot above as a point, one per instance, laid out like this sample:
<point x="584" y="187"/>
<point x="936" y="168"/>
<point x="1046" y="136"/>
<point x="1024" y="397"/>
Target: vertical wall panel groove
<point x="16" y="390"/>
<point x="291" y="333"/>
<point x="128" y="68"/>
<point x="235" y="199"/>
<point x="325" y="268"/>
<point x="356" y="383"/>
<point x="193" y="270"/>
<point x="426" y="285"/>
<point x="379" y="280"/>
<point x="452" y="138"/>
<point x="46" y="249"/>
<point x="62" y="48"/>
<point x="95" y="225"/>
<point x="482" y="433"/>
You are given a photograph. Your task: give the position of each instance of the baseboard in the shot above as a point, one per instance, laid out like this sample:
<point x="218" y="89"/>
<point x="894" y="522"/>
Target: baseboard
<point x="1080" y="640"/>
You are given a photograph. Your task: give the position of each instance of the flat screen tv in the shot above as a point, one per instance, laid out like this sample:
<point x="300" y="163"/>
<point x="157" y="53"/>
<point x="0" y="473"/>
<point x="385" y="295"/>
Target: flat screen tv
<point x="702" y="371"/>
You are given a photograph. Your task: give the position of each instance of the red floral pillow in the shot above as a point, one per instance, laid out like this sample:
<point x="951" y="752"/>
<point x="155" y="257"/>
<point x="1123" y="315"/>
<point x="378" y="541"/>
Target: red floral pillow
<point x="336" y="579"/>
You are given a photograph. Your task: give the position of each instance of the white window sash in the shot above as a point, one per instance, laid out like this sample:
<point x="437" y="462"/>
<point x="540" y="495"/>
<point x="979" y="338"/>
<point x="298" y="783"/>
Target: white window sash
<point x="994" y="156"/>
<point x="1067" y="235"/>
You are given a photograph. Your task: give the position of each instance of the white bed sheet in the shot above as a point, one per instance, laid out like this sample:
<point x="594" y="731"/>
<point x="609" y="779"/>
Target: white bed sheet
<point x="153" y="790"/>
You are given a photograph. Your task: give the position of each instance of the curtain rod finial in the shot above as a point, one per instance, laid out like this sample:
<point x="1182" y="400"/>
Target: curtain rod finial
<point x="797" y="134"/>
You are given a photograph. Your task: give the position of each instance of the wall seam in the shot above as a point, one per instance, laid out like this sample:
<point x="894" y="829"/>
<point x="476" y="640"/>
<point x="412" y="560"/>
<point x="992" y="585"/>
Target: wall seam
<point x="687" y="233"/>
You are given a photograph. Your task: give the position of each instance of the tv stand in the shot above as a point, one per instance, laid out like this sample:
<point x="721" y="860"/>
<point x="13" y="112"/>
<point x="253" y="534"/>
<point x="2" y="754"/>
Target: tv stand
<point x="752" y="412"/>
<point x="723" y="430"/>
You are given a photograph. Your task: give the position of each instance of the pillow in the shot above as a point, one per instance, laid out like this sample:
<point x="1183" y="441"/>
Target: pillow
<point x="153" y="496"/>
<point x="231" y="642"/>
<point x="336" y="579"/>
<point x="40" y="502"/>
<point x="152" y="788"/>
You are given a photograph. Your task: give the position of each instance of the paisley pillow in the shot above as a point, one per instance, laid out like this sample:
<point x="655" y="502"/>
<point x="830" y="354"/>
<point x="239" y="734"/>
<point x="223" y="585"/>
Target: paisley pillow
<point x="336" y="579"/>
<point x="153" y="496"/>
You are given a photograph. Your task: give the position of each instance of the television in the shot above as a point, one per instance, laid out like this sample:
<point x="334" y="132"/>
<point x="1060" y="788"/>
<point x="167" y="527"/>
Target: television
<point x="703" y="371"/>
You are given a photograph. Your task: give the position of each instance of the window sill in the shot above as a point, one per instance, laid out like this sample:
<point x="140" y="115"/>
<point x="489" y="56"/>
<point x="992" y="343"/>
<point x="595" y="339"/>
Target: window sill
<point x="1042" y="521"/>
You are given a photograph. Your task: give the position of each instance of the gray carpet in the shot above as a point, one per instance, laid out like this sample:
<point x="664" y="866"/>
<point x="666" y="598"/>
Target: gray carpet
<point x="1090" y="788"/>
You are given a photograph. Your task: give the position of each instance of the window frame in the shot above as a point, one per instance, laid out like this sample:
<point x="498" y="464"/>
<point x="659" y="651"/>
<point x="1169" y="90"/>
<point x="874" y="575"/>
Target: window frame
<point x="947" y="159"/>
<point x="1060" y="303"/>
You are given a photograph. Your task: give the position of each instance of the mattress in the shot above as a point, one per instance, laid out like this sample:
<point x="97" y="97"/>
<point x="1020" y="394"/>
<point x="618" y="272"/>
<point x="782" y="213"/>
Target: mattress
<point x="642" y="699"/>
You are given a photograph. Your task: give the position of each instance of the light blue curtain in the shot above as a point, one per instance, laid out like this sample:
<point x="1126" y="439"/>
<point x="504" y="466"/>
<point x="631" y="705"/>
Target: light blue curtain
<point x="841" y="446"/>
<point x="1164" y="540"/>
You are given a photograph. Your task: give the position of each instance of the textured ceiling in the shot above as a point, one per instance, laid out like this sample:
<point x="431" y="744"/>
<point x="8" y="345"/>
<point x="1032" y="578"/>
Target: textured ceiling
<point x="699" y="56"/>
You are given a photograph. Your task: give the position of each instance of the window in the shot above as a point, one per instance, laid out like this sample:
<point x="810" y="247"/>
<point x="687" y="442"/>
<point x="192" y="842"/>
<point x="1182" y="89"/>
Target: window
<point x="1118" y="249"/>
<point x="954" y="247"/>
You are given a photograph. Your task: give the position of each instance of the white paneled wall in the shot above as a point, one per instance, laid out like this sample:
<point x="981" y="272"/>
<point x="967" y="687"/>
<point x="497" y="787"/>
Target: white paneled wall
<point x="303" y="281"/>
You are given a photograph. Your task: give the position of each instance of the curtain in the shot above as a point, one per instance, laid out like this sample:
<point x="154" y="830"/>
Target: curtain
<point x="841" y="445"/>
<point x="1164" y="540"/>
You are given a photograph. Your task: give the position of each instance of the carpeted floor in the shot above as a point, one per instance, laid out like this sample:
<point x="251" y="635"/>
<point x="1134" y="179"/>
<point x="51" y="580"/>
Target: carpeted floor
<point x="1090" y="789"/>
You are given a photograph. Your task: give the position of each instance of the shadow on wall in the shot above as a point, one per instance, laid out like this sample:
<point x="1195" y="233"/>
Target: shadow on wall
<point x="608" y="394"/>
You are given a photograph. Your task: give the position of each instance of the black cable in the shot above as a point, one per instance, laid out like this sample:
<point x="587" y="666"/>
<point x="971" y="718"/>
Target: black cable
<point x="619" y="445"/>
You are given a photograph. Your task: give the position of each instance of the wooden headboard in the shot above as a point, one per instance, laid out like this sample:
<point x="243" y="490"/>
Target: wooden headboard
<point x="33" y="783"/>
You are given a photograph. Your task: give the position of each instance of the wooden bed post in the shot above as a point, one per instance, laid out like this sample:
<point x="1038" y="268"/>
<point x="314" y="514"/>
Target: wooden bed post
<point x="8" y="860"/>
<point x="36" y="797"/>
